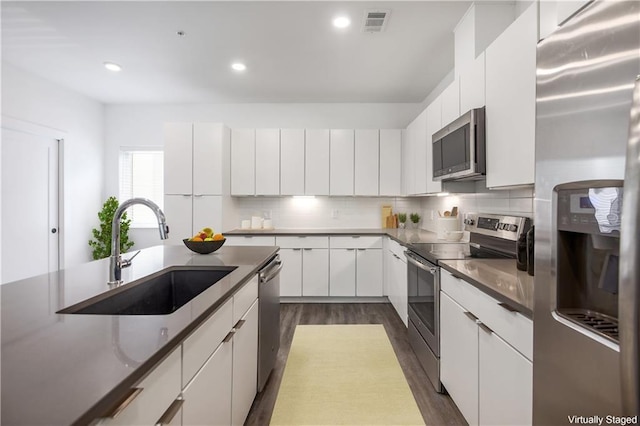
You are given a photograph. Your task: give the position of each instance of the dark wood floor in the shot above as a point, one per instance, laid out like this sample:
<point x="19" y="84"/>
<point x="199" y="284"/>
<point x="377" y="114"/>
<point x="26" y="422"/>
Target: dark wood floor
<point x="436" y="409"/>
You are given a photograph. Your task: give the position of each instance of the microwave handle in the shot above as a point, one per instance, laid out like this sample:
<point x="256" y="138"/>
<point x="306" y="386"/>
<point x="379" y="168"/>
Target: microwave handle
<point x="629" y="293"/>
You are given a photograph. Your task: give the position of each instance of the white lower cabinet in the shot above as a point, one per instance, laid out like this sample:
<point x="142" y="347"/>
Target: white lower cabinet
<point x="342" y="279"/>
<point x="207" y="399"/>
<point x="152" y="397"/>
<point x="291" y="273"/>
<point x="459" y="357"/>
<point x="369" y="272"/>
<point x="355" y="265"/>
<point x="396" y="279"/>
<point x="245" y="365"/>
<point x="495" y="387"/>
<point x="480" y="368"/>
<point x="315" y="272"/>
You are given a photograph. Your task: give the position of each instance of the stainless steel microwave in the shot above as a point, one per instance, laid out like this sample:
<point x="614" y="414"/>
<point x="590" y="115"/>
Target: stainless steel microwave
<point x="459" y="148"/>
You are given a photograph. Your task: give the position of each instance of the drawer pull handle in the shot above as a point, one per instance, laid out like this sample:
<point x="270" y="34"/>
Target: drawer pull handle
<point x="228" y="337"/>
<point x="361" y="249"/>
<point x="351" y="249"/>
<point x="471" y="316"/>
<point x="133" y="393"/>
<point x="297" y="249"/>
<point x="171" y="412"/>
<point x="239" y="325"/>
<point x="456" y="276"/>
<point x="508" y="307"/>
<point x="485" y="328"/>
<point x="356" y="236"/>
<point x="308" y="249"/>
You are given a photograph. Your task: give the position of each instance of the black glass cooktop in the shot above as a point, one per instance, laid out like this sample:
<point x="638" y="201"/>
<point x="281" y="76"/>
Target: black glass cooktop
<point x="453" y="251"/>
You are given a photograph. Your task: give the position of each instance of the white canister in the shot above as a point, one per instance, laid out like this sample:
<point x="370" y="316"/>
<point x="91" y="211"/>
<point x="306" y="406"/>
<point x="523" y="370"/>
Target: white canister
<point x="267" y="224"/>
<point x="256" y="222"/>
<point x="245" y="224"/>
<point x="447" y="224"/>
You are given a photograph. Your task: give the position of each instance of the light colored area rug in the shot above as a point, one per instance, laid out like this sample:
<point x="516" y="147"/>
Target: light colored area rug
<point x="344" y="375"/>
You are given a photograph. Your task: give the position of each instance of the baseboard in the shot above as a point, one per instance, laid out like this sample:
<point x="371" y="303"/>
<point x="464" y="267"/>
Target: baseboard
<point x="328" y="299"/>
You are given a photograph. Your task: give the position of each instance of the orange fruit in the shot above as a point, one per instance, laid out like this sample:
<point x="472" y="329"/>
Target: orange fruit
<point x="197" y="239"/>
<point x="218" y="237"/>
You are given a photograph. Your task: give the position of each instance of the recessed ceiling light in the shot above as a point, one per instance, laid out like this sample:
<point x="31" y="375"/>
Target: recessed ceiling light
<point x="112" y="67"/>
<point x="341" y="22"/>
<point x="237" y="66"/>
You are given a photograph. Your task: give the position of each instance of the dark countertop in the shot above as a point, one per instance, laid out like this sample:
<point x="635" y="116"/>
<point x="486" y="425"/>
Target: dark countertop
<point x="402" y="236"/>
<point x="60" y="369"/>
<point x="498" y="278"/>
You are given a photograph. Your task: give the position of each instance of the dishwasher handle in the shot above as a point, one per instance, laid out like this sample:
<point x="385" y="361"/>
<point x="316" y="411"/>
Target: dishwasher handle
<point x="272" y="271"/>
<point x="432" y="269"/>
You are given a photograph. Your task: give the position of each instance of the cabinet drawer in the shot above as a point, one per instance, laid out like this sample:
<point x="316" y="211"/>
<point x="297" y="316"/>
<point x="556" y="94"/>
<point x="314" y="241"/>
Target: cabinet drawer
<point x="513" y="327"/>
<point x="201" y="344"/>
<point x="355" y="241"/>
<point x="244" y="298"/>
<point x="302" y="241"/>
<point x="159" y="389"/>
<point x="250" y="240"/>
<point x="396" y="248"/>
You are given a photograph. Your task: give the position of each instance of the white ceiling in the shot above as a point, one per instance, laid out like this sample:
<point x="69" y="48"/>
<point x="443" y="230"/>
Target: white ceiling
<point x="292" y="51"/>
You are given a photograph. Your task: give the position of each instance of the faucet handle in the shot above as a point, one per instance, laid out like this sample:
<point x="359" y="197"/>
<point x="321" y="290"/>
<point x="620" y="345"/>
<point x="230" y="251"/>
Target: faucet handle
<point x="124" y="263"/>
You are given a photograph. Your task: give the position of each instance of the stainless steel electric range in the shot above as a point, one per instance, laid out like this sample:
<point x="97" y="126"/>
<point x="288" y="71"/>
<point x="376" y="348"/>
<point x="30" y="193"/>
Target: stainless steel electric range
<point x="490" y="236"/>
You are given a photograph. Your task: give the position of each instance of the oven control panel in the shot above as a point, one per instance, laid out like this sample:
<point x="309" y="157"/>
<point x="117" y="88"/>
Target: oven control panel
<point x="507" y="227"/>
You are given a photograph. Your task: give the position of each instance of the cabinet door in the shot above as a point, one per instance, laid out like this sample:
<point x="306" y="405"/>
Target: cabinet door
<point x="408" y="160"/>
<point x="341" y="165"/>
<point x="401" y="289"/>
<point x="434" y="124"/>
<point x="472" y="85"/>
<point x="207" y="398"/>
<point x="291" y="274"/>
<point x="207" y="159"/>
<point x="459" y="357"/>
<point x="243" y="161"/>
<point x="369" y="272"/>
<point x="178" y="157"/>
<point x="178" y="210"/>
<point x="451" y="102"/>
<point x="315" y="272"/>
<point x="316" y="162"/>
<point x="267" y="162"/>
<point x="292" y="162"/>
<point x="367" y="152"/>
<point x="245" y="366"/>
<point x="342" y="277"/>
<point x="207" y="212"/>
<point x="420" y="154"/>
<point x="511" y="87"/>
<point x="505" y="375"/>
<point x="391" y="162"/>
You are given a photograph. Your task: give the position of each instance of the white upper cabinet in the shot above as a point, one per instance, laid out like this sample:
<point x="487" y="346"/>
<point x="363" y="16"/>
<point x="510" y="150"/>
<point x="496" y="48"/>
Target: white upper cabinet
<point x="342" y="162"/>
<point x="408" y="160"/>
<point x="267" y="162"/>
<point x="510" y="103"/>
<point x="243" y="156"/>
<point x="178" y="158"/>
<point x="419" y="142"/>
<point x="451" y="102"/>
<point x="292" y="161"/>
<point x="390" y="162"/>
<point x="317" y="162"/>
<point x="367" y="151"/>
<point x="555" y="12"/>
<point x="208" y="158"/>
<point x="434" y="124"/>
<point x="472" y="85"/>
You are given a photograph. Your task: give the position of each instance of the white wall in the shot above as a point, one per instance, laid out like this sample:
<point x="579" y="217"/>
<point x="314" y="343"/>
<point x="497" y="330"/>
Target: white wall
<point x="35" y="100"/>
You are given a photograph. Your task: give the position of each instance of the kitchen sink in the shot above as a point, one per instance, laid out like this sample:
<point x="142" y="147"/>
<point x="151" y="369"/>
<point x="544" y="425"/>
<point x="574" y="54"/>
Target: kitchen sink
<point x="156" y="295"/>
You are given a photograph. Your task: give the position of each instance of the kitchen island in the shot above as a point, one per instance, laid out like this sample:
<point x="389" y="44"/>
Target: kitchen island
<point x="60" y="369"/>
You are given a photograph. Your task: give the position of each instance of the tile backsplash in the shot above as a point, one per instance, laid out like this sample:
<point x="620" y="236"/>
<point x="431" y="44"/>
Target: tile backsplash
<point x="322" y="212"/>
<point x="516" y="202"/>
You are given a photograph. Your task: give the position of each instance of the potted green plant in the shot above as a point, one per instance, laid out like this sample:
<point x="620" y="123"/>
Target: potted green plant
<point x="101" y="242"/>
<point x="402" y="219"/>
<point x="415" y="219"/>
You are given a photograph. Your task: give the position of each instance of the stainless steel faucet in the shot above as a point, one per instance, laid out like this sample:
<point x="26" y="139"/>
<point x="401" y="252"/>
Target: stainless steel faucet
<point x="116" y="262"/>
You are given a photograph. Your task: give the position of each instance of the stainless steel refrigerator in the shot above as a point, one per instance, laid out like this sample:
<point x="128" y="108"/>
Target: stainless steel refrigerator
<point x="585" y="361"/>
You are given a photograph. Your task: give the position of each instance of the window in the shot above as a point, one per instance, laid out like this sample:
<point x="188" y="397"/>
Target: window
<point x="142" y="175"/>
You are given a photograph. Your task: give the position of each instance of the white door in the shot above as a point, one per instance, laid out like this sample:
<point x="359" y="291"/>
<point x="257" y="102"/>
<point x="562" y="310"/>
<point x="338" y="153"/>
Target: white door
<point x="292" y="162"/>
<point x="367" y="155"/>
<point x="245" y="366"/>
<point x="315" y="272"/>
<point x="291" y="275"/>
<point x="207" y="213"/>
<point x="390" y="162"/>
<point x="178" y="209"/>
<point x="267" y="162"/>
<point x="243" y="161"/>
<point x="29" y="205"/>
<point x="342" y="277"/>
<point x="207" y="159"/>
<point x="341" y="170"/>
<point x="316" y="162"/>
<point x="178" y="158"/>
<point x="369" y="272"/>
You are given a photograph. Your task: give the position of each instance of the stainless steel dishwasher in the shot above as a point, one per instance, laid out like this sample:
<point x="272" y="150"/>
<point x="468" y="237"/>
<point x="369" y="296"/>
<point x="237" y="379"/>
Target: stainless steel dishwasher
<point x="269" y="325"/>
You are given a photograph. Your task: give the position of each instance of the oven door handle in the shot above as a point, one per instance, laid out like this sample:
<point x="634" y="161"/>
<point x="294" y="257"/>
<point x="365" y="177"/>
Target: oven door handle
<point x="433" y="270"/>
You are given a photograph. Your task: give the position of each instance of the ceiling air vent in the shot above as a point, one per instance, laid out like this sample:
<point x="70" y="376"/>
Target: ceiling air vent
<point x="375" y="21"/>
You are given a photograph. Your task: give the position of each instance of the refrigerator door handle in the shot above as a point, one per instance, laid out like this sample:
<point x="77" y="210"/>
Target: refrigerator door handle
<point x="629" y="293"/>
